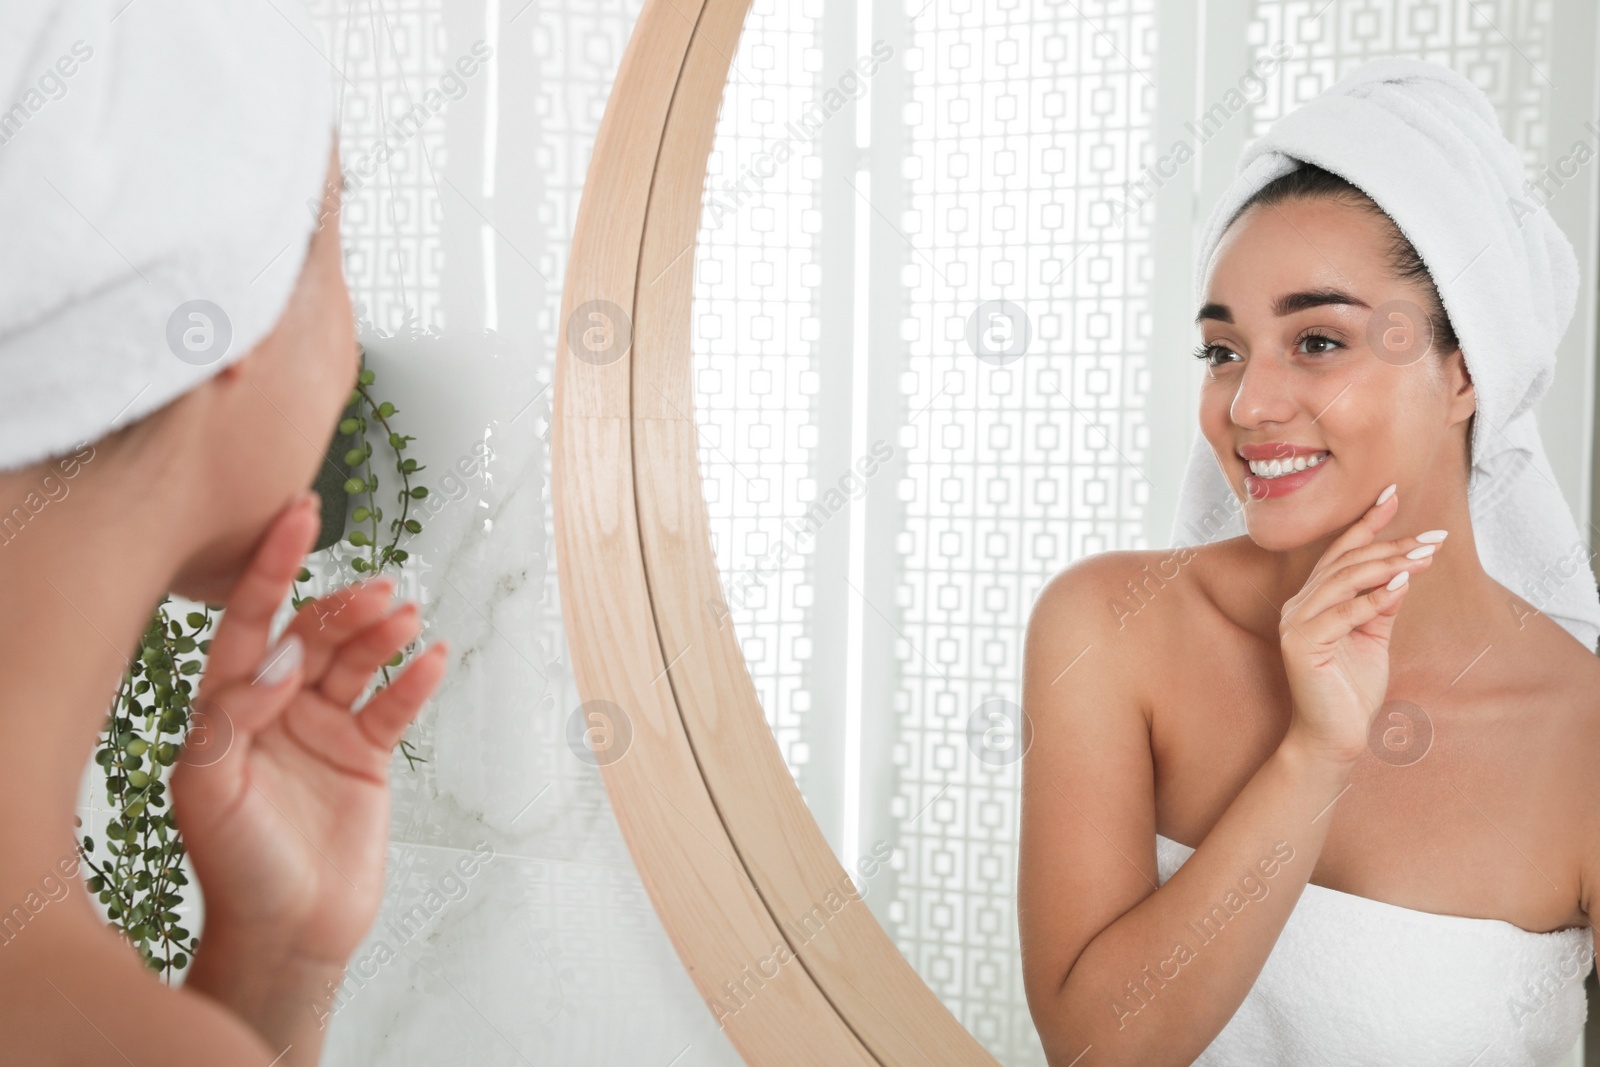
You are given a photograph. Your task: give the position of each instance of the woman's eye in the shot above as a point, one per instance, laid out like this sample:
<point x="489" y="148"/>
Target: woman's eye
<point x="1319" y="339"/>
<point x="1209" y="354"/>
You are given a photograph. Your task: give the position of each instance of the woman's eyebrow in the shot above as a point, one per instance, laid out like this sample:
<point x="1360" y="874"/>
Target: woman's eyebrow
<point x="1288" y="304"/>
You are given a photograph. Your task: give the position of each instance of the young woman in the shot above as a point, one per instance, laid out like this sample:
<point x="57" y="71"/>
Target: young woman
<point x="192" y="156"/>
<point x="1364" y="765"/>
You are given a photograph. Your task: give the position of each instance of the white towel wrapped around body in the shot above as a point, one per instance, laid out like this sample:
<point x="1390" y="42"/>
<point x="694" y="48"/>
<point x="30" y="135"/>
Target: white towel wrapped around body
<point x="1357" y="982"/>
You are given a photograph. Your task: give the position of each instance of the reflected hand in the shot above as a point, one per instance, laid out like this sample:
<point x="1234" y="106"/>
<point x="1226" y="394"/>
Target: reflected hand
<point x="1334" y="635"/>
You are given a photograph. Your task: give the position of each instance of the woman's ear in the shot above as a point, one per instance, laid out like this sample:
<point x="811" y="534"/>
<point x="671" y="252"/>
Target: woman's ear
<point x="1463" y="400"/>
<point x="1463" y="395"/>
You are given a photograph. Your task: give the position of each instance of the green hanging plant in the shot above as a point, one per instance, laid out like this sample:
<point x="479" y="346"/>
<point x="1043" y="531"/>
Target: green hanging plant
<point x="139" y="882"/>
<point x="138" y="878"/>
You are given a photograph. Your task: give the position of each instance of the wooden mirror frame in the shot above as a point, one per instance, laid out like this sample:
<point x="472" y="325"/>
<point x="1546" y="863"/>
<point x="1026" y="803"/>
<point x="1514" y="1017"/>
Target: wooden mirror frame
<point x="789" y="959"/>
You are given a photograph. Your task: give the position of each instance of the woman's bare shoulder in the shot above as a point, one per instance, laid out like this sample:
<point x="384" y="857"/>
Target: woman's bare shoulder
<point x="1112" y="592"/>
<point x="74" y="993"/>
<point x="1547" y="662"/>
<point x="1109" y="616"/>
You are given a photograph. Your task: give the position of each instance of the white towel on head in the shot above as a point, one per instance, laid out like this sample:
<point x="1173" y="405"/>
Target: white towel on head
<point x="153" y="153"/>
<point x="1426" y="145"/>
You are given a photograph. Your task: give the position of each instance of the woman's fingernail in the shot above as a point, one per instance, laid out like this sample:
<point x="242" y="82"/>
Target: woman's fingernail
<point x="1420" y="551"/>
<point x="1386" y="494"/>
<point x="280" y="661"/>
<point x="1432" y="537"/>
<point x="1398" y="580"/>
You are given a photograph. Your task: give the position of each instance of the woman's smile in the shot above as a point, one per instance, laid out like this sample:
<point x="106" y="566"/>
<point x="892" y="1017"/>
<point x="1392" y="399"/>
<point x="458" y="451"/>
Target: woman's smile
<point x="1277" y="470"/>
<point x="1280" y="477"/>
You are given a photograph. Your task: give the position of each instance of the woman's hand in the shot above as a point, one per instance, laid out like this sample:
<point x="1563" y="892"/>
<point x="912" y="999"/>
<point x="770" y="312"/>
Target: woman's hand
<point x="281" y="793"/>
<point x="1335" y="632"/>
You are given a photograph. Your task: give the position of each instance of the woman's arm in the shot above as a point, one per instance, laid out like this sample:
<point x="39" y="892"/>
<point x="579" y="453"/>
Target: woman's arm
<point x="287" y="1000"/>
<point x="1102" y="963"/>
<point x="1148" y="975"/>
<point x="73" y="992"/>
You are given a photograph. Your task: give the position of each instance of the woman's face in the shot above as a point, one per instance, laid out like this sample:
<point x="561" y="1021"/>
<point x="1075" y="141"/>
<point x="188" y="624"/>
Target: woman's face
<point x="1319" y="355"/>
<point x="267" y="418"/>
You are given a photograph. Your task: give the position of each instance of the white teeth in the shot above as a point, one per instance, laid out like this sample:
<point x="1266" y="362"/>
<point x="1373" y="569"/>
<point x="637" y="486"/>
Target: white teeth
<point x="1277" y="468"/>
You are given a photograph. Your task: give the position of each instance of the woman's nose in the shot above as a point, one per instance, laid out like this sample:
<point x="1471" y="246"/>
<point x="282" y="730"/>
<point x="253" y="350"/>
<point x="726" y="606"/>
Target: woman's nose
<point x="1265" y="393"/>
